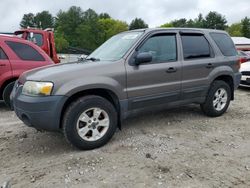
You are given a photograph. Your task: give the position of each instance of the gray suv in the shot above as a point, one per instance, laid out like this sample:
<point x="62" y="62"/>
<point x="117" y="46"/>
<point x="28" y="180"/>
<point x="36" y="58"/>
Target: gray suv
<point x="133" y="71"/>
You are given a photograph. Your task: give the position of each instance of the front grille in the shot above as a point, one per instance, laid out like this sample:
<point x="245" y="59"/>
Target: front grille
<point x="245" y="73"/>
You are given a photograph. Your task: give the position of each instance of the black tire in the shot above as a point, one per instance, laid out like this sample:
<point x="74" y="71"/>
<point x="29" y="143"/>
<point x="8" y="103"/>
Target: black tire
<point x="208" y="107"/>
<point x="74" y="111"/>
<point x="6" y="93"/>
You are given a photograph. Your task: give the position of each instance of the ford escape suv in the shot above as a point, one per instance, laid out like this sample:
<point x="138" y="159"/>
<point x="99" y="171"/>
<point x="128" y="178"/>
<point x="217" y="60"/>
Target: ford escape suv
<point x="133" y="71"/>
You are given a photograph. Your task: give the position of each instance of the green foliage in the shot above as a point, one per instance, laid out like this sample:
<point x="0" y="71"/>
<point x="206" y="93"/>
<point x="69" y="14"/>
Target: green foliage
<point x="44" y="20"/>
<point x="167" y="25"/>
<point x="137" y="23"/>
<point x="104" y="16"/>
<point x="215" y="20"/>
<point x="245" y="27"/>
<point x="110" y="27"/>
<point x="28" y="20"/>
<point x="235" y="30"/>
<point x="61" y="43"/>
<point x="87" y="29"/>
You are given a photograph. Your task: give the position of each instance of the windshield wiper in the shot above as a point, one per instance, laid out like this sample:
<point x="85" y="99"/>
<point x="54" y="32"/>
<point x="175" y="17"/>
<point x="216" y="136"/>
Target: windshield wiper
<point x="93" y="59"/>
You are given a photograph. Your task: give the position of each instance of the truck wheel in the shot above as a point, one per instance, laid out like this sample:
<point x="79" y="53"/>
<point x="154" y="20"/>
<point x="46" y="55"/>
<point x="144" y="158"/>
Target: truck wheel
<point x="218" y="99"/>
<point x="6" y="93"/>
<point x="90" y="122"/>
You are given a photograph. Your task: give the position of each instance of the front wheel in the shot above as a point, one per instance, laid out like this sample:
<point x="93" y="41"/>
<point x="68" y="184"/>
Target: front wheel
<point x="90" y="122"/>
<point x="218" y="99"/>
<point x="6" y="93"/>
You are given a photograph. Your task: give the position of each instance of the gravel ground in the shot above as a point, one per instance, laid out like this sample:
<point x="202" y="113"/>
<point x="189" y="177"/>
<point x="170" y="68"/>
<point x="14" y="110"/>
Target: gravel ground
<point x="175" y="148"/>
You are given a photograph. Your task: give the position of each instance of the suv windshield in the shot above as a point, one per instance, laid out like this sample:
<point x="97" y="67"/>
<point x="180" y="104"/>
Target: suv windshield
<point x="116" y="47"/>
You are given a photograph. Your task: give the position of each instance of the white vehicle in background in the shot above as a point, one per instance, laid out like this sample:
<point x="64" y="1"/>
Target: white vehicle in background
<point x="245" y="71"/>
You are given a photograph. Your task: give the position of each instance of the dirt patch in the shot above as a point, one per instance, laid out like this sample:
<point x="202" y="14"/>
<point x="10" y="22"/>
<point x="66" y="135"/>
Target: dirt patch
<point x="174" y="148"/>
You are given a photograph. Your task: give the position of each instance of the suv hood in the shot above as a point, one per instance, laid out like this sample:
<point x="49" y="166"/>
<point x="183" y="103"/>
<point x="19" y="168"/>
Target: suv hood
<point x="60" y="71"/>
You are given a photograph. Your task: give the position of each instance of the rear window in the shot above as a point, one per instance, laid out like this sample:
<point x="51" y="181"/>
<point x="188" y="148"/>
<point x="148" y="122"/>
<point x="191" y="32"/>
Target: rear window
<point x="195" y="47"/>
<point x="2" y="54"/>
<point x="25" y="51"/>
<point x="224" y="43"/>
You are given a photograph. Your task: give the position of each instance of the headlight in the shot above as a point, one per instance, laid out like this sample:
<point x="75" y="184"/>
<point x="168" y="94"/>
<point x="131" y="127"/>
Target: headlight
<point x="34" y="88"/>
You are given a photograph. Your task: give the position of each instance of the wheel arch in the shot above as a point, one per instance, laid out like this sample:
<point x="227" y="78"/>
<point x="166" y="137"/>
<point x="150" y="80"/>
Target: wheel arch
<point x="102" y="92"/>
<point x="6" y="82"/>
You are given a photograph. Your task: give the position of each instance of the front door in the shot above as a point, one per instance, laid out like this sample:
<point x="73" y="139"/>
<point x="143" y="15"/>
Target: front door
<point x="159" y="81"/>
<point x="5" y="68"/>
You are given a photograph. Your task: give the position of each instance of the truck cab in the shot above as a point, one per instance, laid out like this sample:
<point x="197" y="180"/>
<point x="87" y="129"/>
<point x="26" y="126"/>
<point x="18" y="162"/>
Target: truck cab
<point x="43" y="38"/>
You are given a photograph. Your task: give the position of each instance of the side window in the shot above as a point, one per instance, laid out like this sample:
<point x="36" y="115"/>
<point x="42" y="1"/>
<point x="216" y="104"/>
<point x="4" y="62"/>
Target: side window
<point x="25" y="51"/>
<point x="2" y="54"/>
<point x="162" y="47"/>
<point x="195" y="47"/>
<point x="224" y="43"/>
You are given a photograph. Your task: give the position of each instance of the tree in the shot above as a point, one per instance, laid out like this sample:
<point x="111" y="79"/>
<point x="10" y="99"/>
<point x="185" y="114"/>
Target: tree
<point x="110" y="27"/>
<point x="167" y="25"/>
<point x="60" y="42"/>
<point x="27" y="20"/>
<point x="235" y="30"/>
<point x="137" y="23"/>
<point x="215" y="20"/>
<point x="67" y="22"/>
<point x="245" y="27"/>
<point x="104" y="16"/>
<point x="199" y="21"/>
<point x="44" y="20"/>
<point x="180" y="22"/>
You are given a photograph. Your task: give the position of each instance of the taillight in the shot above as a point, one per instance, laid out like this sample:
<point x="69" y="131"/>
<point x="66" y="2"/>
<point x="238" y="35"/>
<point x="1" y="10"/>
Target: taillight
<point x="243" y="60"/>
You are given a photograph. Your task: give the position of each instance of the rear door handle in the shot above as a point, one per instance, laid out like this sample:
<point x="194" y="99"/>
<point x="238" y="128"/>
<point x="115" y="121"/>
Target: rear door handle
<point x="171" y="69"/>
<point x="209" y="65"/>
<point x="2" y="65"/>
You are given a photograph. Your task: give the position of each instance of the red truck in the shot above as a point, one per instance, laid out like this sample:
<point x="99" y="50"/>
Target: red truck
<point x="43" y="38"/>
<point x="17" y="56"/>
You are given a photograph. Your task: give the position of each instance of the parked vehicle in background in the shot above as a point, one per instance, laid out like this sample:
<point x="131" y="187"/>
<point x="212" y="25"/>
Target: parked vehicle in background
<point x="245" y="71"/>
<point x="244" y="57"/>
<point x="43" y="38"/>
<point x="16" y="56"/>
<point x="134" y="71"/>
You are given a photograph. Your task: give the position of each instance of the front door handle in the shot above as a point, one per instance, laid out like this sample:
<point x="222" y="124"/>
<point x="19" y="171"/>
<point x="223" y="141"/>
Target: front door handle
<point x="209" y="65"/>
<point x="171" y="70"/>
<point x="2" y="65"/>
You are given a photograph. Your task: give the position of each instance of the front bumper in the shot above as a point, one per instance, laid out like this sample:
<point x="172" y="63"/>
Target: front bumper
<point x="38" y="112"/>
<point x="245" y="79"/>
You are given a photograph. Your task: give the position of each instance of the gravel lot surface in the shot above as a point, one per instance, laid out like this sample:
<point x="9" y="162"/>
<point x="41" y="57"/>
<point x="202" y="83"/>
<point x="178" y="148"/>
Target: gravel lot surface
<point x="174" y="148"/>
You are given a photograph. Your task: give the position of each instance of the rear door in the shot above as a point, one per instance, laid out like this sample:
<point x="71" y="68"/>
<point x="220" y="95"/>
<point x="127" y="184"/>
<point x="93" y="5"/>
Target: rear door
<point x="198" y="62"/>
<point x="158" y="81"/>
<point x="5" y="68"/>
<point x="25" y="57"/>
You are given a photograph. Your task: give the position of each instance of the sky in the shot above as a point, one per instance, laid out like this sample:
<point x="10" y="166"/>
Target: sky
<point x="154" y="12"/>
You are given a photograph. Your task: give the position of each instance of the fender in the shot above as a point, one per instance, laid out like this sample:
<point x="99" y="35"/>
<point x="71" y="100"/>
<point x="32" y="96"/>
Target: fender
<point x="101" y="82"/>
<point x="221" y="71"/>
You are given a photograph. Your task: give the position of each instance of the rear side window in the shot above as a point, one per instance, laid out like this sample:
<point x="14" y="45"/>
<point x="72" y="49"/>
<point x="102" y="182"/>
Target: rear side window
<point x="25" y="51"/>
<point x="224" y="43"/>
<point x="2" y="54"/>
<point x="162" y="47"/>
<point x="195" y="47"/>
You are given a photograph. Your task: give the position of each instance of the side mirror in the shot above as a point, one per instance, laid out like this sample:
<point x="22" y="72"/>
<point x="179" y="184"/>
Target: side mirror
<point x="143" y="57"/>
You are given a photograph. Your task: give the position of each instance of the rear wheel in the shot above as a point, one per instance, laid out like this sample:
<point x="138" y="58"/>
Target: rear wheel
<point x="6" y="93"/>
<point x="90" y="122"/>
<point x="218" y="99"/>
